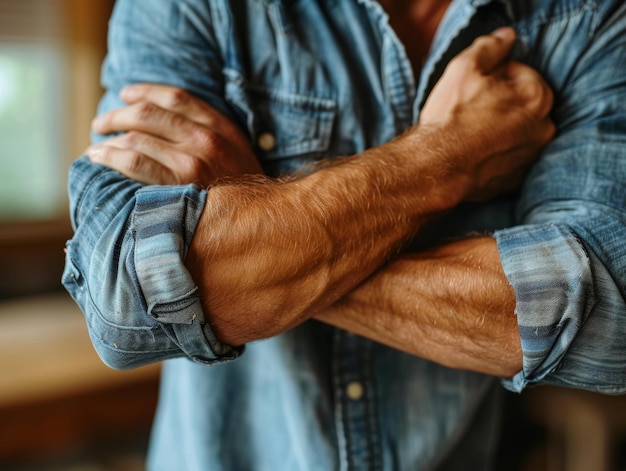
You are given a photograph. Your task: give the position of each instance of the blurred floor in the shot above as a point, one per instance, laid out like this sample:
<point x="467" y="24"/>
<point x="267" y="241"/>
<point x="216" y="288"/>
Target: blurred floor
<point x="62" y="410"/>
<point x="99" y="430"/>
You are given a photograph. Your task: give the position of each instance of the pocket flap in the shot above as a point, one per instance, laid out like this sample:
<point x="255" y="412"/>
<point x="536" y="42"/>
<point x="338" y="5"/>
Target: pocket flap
<point x="288" y="125"/>
<point x="283" y="124"/>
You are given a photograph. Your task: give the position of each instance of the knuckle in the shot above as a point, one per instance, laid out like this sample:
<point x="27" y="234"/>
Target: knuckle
<point x="144" y="110"/>
<point x="536" y="96"/>
<point x="102" y="121"/>
<point x="188" y="168"/>
<point x="177" y="121"/>
<point x="208" y="142"/>
<point x="101" y="154"/>
<point x="106" y="153"/>
<point x="462" y="63"/>
<point x="529" y="90"/>
<point x="132" y="138"/>
<point x="176" y="98"/>
<point x="135" y="162"/>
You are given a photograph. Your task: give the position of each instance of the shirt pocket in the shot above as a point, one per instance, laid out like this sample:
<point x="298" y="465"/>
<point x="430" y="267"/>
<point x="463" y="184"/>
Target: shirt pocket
<point x="284" y="125"/>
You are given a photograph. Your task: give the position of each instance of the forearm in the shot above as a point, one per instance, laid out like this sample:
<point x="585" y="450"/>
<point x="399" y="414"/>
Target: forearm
<point x="267" y="255"/>
<point x="127" y="277"/>
<point x="452" y="305"/>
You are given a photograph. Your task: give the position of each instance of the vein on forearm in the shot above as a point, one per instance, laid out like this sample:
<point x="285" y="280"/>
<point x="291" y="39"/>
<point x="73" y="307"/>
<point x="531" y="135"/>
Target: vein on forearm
<point x="451" y="304"/>
<point x="266" y="255"/>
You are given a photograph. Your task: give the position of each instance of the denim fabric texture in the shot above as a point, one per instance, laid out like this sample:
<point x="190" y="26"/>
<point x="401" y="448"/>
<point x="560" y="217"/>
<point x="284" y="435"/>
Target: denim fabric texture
<point x="330" y="78"/>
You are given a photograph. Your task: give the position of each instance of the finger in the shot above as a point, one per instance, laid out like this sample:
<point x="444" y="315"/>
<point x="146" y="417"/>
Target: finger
<point x="148" y="118"/>
<point x="160" y="150"/>
<point x="489" y="51"/>
<point x="181" y="167"/>
<point x="132" y="164"/>
<point x="178" y="165"/>
<point x="531" y="87"/>
<point x="183" y="103"/>
<point x="170" y="98"/>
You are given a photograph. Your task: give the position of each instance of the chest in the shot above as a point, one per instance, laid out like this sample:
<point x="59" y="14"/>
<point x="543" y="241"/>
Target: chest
<point x="325" y="79"/>
<point x="315" y="79"/>
<point x="415" y="24"/>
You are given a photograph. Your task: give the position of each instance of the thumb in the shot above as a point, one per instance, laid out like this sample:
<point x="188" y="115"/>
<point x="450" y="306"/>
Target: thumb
<point x="489" y="51"/>
<point x="530" y="87"/>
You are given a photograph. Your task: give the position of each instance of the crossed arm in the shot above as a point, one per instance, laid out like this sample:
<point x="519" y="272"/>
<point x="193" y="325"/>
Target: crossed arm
<point x="269" y="254"/>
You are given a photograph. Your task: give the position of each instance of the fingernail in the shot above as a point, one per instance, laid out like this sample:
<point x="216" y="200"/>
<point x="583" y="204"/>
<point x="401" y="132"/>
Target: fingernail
<point x="505" y="33"/>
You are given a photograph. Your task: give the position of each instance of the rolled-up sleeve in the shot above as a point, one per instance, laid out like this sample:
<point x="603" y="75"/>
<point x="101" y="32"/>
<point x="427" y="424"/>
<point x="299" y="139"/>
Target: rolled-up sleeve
<point x="125" y="269"/>
<point x="125" y="263"/>
<point x="566" y="260"/>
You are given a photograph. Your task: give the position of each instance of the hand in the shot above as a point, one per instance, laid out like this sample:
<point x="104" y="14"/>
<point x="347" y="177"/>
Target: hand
<point x="171" y="137"/>
<point x="496" y="110"/>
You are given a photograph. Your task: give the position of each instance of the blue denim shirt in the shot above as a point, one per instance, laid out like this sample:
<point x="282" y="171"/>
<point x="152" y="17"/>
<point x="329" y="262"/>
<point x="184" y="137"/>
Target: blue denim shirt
<point x="329" y="78"/>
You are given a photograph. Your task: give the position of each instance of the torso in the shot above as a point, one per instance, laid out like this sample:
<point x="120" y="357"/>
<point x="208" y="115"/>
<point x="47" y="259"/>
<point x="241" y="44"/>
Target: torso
<point x="415" y="23"/>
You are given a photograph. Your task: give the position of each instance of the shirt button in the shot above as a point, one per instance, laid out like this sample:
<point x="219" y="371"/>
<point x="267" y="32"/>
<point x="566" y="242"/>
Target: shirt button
<point x="354" y="390"/>
<point x="266" y="141"/>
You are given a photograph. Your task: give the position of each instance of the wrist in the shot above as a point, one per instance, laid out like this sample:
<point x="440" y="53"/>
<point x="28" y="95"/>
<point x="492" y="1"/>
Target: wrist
<point x="267" y="255"/>
<point x="432" y="166"/>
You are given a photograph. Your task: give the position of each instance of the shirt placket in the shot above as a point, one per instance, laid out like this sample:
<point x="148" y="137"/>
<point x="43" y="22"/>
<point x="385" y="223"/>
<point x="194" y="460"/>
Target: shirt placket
<point x="354" y="380"/>
<point x="355" y="403"/>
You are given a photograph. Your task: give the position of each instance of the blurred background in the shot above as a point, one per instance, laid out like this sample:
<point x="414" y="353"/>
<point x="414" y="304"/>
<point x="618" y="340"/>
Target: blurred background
<point x="60" y="408"/>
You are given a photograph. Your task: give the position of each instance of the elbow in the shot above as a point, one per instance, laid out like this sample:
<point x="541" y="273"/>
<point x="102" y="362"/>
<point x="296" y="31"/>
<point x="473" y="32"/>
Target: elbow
<point x="256" y="314"/>
<point x="123" y="336"/>
<point x="122" y="356"/>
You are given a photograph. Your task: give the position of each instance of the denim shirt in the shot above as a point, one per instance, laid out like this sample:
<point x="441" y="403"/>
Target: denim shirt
<point x="330" y="78"/>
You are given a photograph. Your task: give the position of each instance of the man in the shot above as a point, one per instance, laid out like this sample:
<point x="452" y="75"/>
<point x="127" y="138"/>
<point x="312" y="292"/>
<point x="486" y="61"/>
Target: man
<point x="308" y="80"/>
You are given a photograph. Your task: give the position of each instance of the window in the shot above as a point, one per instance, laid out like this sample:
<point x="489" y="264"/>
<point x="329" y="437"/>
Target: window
<point x="32" y="78"/>
<point x="50" y="56"/>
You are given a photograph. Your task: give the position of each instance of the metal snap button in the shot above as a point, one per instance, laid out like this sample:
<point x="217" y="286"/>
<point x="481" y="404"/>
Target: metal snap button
<point x="266" y="141"/>
<point x="354" y="390"/>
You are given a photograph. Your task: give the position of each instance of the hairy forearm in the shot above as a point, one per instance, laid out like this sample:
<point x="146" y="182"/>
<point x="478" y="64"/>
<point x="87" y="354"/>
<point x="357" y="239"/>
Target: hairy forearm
<point x="267" y="254"/>
<point x="452" y="305"/>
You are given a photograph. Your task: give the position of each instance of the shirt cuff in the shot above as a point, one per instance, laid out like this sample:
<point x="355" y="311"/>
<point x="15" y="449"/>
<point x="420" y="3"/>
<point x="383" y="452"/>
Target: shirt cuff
<point x="125" y="269"/>
<point x="162" y="238"/>
<point x="549" y="270"/>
